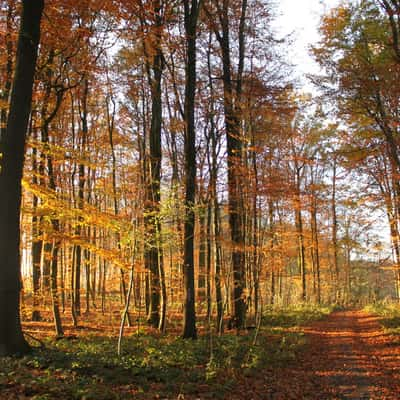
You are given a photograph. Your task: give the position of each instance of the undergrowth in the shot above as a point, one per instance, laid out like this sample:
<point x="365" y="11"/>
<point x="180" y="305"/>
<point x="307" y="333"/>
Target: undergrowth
<point x="164" y="367"/>
<point x="390" y="316"/>
<point x="297" y="315"/>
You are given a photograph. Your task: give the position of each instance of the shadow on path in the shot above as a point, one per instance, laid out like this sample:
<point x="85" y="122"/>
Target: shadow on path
<point x="348" y="357"/>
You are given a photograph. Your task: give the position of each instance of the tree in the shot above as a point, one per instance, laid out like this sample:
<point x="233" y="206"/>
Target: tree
<point x="234" y="141"/>
<point x="359" y="52"/>
<point x="12" y="148"/>
<point x="191" y="9"/>
<point x="392" y="9"/>
<point x="7" y="61"/>
<point x="361" y="72"/>
<point x="152" y="41"/>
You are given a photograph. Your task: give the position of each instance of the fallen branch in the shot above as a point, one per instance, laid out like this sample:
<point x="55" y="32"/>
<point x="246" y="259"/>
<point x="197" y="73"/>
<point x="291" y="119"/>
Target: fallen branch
<point x="42" y="345"/>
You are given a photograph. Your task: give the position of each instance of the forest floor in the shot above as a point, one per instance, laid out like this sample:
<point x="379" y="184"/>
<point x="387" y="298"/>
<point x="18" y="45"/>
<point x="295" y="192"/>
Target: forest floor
<point x="348" y="356"/>
<point x="300" y="353"/>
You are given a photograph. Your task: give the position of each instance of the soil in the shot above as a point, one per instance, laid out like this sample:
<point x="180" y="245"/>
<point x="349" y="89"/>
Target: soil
<point x="348" y="356"/>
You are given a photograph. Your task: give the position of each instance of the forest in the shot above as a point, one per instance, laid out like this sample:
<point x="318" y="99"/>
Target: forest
<point x="165" y="176"/>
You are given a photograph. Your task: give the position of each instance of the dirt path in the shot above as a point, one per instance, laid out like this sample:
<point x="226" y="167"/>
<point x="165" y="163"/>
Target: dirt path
<point x="348" y="357"/>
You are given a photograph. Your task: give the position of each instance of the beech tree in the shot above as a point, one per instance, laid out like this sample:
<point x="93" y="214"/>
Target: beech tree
<point x="154" y="58"/>
<point x="191" y="14"/>
<point x="12" y="147"/>
<point x="233" y="85"/>
<point x="358" y="52"/>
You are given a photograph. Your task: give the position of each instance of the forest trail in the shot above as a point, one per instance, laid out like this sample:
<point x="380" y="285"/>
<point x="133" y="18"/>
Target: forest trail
<point x="348" y="357"/>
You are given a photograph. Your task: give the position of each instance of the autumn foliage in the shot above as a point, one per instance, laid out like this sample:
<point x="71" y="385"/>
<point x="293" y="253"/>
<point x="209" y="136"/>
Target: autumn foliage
<point x="176" y="180"/>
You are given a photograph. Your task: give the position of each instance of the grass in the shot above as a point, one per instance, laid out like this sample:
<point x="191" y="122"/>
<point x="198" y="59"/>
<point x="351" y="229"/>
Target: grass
<point x="297" y="315"/>
<point x="389" y="314"/>
<point x="154" y="367"/>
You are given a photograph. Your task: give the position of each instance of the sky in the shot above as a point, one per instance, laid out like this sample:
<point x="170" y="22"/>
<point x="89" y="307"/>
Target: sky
<point x="301" y="19"/>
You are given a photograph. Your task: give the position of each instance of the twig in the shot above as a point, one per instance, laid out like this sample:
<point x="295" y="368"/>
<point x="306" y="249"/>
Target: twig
<point x="42" y="345"/>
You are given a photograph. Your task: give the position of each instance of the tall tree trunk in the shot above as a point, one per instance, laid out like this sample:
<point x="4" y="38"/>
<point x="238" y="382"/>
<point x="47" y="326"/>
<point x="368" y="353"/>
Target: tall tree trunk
<point x="6" y="86"/>
<point x="191" y="9"/>
<point x="110" y="123"/>
<point x="202" y="260"/>
<point x="12" y="148"/>
<point x="36" y="250"/>
<point x="79" y="252"/>
<point x="86" y="256"/>
<point x="255" y="259"/>
<point x="272" y="250"/>
<point x="334" y="232"/>
<point x="315" y="247"/>
<point x="49" y="263"/>
<point x="218" y="264"/>
<point x="232" y="100"/>
<point x="153" y="251"/>
<point x="54" y="246"/>
<point x="347" y="278"/>
<point x="301" y="261"/>
<point x="213" y="203"/>
<point x="208" y="259"/>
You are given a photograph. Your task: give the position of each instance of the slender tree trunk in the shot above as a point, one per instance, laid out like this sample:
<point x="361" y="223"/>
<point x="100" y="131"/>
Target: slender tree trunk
<point x="214" y="204"/>
<point x="271" y="256"/>
<point x="315" y="247"/>
<point x="103" y="287"/>
<point x="301" y="261"/>
<point x="208" y="259"/>
<point x="347" y="299"/>
<point x="53" y="285"/>
<point x="192" y="8"/>
<point x="36" y="250"/>
<point x="53" y="259"/>
<point x="301" y="254"/>
<point x="218" y="266"/>
<point x="86" y="254"/>
<point x="202" y="260"/>
<point x="46" y="247"/>
<point x="153" y="248"/>
<point x="63" y="276"/>
<point x="255" y="234"/>
<point x="334" y="233"/>
<point x="6" y="86"/>
<point x="110" y="122"/>
<point x="79" y="257"/>
<point x="232" y="100"/>
<point x="125" y="312"/>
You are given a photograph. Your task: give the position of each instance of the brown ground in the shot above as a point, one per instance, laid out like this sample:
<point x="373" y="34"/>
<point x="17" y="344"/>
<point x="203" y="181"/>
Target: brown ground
<point x="348" y="357"/>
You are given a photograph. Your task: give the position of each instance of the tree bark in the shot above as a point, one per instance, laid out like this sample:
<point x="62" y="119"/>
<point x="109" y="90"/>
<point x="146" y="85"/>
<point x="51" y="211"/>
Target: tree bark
<point x="214" y="204"/>
<point x="12" y="148"/>
<point x="301" y="262"/>
<point x="153" y="252"/>
<point x="232" y="98"/>
<point x="6" y="87"/>
<point x="110" y="126"/>
<point x="315" y="247"/>
<point x="334" y="233"/>
<point x="192" y="8"/>
<point x="36" y="250"/>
